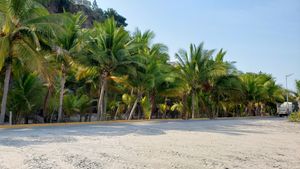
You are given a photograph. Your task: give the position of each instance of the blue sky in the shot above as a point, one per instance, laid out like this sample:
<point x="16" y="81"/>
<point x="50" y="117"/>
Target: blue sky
<point x="260" y="35"/>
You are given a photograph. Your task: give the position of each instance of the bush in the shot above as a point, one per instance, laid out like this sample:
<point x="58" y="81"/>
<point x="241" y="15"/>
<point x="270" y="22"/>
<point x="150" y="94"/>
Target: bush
<point x="294" y="117"/>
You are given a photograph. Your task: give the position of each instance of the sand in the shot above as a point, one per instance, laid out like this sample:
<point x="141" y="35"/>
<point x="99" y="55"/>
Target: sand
<point x="221" y="144"/>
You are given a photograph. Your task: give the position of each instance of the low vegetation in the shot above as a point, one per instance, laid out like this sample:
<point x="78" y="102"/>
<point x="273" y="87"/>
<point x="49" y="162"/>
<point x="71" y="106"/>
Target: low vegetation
<point x="294" y="117"/>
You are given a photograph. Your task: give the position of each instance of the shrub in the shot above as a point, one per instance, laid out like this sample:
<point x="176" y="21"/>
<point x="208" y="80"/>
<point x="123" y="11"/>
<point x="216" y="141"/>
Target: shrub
<point x="294" y="117"/>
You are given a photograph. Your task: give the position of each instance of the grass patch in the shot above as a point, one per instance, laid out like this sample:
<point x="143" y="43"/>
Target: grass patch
<point x="295" y="117"/>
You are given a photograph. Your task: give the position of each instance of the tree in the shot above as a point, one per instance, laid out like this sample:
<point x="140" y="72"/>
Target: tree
<point x="156" y="57"/>
<point x="108" y="53"/>
<point x="120" y="20"/>
<point x="196" y="69"/>
<point x="226" y="90"/>
<point x="22" y="24"/>
<point x="95" y="5"/>
<point x="260" y="89"/>
<point x="222" y="87"/>
<point x="140" y="82"/>
<point x="66" y="45"/>
<point x="26" y="95"/>
<point x="76" y="104"/>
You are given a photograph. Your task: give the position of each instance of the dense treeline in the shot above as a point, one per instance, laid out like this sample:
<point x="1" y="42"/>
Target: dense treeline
<point x="53" y="69"/>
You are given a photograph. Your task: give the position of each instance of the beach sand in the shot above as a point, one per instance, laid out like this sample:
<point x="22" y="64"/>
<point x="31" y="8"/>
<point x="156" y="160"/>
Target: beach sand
<point x="195" y="144"/>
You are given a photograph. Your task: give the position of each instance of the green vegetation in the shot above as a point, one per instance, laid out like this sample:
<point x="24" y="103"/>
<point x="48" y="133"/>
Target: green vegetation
<point x="295" y="117"/>
<point x="57" y="66"/>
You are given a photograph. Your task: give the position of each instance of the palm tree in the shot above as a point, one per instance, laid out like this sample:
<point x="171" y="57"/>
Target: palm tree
<point x="156" y="57"/>
<point x="260" y="89"/>
<point x="66" y="46"/>
<point x="197" y="68"/>
<point x="253" y="90"/>
<point x="108" y="53"/>
<point x="22" y="24"/>
<point x="225" y="90"/>
<point x="74" y="103"/>
<point x="140" y="82"/>
<point x="223" y="86"/>
<point x="25" y="96"/>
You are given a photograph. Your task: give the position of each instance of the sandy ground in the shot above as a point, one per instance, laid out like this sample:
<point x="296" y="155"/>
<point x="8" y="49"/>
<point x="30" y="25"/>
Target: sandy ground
<point x="225" y="144"/>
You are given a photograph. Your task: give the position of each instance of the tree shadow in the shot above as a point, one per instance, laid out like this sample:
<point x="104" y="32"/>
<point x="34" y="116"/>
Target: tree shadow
<point x="66" y="134"/>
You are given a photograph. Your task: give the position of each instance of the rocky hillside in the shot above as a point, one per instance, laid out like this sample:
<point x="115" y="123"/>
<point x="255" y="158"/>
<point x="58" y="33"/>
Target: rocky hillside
<point x="93" y="13"/>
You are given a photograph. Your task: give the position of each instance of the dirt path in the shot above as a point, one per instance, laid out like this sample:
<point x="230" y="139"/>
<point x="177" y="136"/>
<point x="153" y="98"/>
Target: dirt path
<point x="256" y="143"/>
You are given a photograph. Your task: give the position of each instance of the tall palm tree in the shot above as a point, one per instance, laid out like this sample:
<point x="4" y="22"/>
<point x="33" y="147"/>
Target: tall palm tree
<point x="253" y="90"/>
<point x="66" y="46"/>
<point x="222" y="85"/>
<point x="22" y="24"/>
<point x="196" y="68"/>
<point x="156" y="57"/>
<point x="108" y="53"/>
<point x="140" y="82"/>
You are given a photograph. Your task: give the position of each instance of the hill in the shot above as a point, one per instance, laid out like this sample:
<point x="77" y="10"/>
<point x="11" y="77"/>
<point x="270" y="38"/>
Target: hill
<point x="93" y="12"/>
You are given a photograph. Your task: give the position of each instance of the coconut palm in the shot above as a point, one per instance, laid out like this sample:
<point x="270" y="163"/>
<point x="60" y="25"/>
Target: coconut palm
<point x="22" y="24"/>
<point x="225" y="90"/>
<point x="156" y="64"/>
<point x="26" y="95"/>
<point x="66" y="46"/>
<point x="74" y="103"/>
<point x="197" y="68"/>
<point x="108" y="53"/>
<point x="140" y="82"/>
<point x="260" y="89"/>
<point x="222" y="84"/>
<point x="253" y="90"/>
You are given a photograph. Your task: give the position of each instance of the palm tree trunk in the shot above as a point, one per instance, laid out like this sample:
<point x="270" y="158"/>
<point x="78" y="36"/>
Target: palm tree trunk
<point x="129" y="107"/>
<point x="134" y="106"/>
<point x="100" y="106"/>
<point x="116" y="114"/>
<point x="153" y="105"/>
<point x="193" y="105"/>
<point x="185" y="111"/>
<point x="217" y="106"/>
<point x="61" y="97"/>
<point x="46" y="102"/>
<point x="133" y="109"/>
<point x="5" y="92"/>
<point x="105" y="103"/>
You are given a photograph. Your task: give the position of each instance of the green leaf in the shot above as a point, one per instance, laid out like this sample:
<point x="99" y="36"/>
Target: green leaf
<point x="4" y="50"/>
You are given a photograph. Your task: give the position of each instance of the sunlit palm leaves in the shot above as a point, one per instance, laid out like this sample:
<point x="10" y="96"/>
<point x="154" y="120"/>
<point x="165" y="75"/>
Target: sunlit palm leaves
<point x="26" y="95"/>
<point x="109" y="51"/>
<point x="23" y="24"/>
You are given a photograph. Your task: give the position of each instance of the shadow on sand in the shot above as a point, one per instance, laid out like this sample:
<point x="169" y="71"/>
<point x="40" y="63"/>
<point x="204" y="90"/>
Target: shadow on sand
<point x="66" y="134"/>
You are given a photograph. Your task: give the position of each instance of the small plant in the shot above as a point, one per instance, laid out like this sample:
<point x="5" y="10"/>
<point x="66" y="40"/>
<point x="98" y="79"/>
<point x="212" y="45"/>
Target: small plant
<point x="294" y="117"/>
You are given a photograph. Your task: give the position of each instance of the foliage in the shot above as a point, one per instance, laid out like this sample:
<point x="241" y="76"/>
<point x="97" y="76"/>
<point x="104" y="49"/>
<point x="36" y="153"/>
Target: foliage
<point x="26" y="95"/>
<point x="298" y="90"/>
<point x="294" y="117"/>
<point x="76" y="104"/>
<point x="145" y="102"/>
<point x="298" y="85"/>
